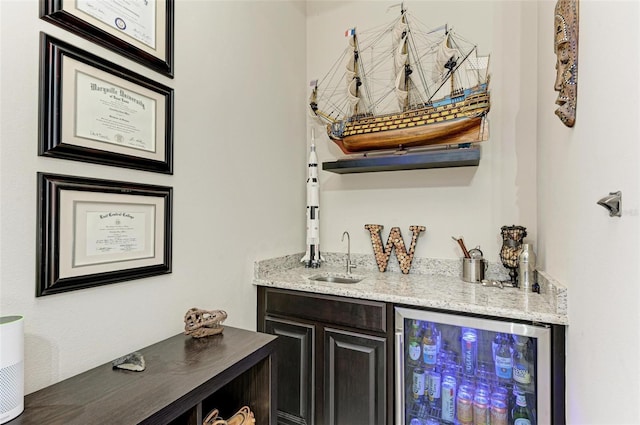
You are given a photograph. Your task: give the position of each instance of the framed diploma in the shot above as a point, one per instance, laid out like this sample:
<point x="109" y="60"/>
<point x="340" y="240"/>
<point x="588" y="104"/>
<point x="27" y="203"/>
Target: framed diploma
<point x="96" y="232"/>
<point x="96" y="111"/>
<point x="141" y="30"/>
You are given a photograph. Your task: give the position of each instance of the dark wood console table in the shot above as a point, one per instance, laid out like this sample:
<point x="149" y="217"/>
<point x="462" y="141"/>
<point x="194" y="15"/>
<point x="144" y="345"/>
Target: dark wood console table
<point x="184" y="379"/>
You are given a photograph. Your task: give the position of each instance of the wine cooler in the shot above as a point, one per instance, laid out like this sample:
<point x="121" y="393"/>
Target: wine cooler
<point x="463" y="370"/>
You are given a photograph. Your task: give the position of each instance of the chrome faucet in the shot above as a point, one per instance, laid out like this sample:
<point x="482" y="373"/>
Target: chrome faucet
<point x="350" y="265"/>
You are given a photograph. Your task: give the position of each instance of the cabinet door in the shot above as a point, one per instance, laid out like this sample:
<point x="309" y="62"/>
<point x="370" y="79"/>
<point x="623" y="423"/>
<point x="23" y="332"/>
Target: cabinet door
<point x="354" y="378"/>
<point x="295" y="370"/>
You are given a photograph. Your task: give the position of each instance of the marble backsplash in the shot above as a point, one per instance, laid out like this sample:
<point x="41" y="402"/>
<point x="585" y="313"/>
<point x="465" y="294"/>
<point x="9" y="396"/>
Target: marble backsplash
<point x="432" y="266"/>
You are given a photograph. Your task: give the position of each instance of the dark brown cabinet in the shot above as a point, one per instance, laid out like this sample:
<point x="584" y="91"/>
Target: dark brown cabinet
<point x="354" y="376"/>
<point x="295" y="346"/>
<point x="335" y="357"/>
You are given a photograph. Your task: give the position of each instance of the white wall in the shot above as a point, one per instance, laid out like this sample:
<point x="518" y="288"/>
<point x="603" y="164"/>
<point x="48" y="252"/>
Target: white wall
<point x="240" y="168"/>
<point x="594" y="255"/>
<point x="534" y="172"/>
<point x="473" y="202"/>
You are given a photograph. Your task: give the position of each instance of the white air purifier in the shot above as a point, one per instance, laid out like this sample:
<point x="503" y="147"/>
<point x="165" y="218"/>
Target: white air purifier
<point x="11" y="367"/>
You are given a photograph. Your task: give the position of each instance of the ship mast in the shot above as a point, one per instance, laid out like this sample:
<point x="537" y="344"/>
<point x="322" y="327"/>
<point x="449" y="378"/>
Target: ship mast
<point x="403" y="67"/>
<point x="353" y="71"/>
<point x="313" y="104"/>
<point x="407" y="66"/>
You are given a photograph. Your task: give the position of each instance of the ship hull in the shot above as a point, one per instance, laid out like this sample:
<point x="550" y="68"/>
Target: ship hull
<point x="447" y="123"/>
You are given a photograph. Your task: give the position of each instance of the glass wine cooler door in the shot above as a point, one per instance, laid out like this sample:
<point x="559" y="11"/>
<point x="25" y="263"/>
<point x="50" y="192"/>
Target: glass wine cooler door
<point x="468" y="371"/>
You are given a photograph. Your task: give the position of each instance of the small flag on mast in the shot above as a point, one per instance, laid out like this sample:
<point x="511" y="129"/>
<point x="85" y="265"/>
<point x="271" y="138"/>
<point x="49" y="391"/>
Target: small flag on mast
<point x="350" y="32"/>
<point x="313" y="83"/>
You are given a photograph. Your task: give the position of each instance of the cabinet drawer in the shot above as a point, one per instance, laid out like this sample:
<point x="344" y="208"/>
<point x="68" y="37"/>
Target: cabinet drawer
<point x="351" y="312"/>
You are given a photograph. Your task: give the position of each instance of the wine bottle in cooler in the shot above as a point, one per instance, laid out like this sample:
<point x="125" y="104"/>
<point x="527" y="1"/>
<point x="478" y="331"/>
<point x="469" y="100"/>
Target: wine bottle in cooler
<point x="521" y="364"/>
<point x="504" y="362"/>
<point x="429" y="346"/>
<point x="495" y="344"/>
<point x="520" y="413"/>
<point x="415" y="344"/>
<point x="438" y="336"/>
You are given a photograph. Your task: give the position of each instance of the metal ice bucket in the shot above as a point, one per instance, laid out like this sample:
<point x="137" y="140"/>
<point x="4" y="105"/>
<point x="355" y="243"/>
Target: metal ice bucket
<point x="473" y="269"/>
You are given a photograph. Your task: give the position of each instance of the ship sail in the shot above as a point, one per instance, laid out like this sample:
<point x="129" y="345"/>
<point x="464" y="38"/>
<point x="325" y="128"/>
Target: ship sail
<point x="477" y="67"/>
<point x="352" y="95"/>
<point x="404" y="87"/>
<point x="351" y="78"/>
<point x="401" y="93"/>
<point x="445" y="57"/>
<point x="402" y="64"/>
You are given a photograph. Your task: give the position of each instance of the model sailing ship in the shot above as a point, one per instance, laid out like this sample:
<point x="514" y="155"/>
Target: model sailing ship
<point x="406" y="87"/>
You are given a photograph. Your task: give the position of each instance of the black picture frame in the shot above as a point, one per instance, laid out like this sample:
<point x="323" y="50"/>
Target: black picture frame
<point x="57" y="137"/>
<point x="66" y="210"/>
<point x="68" y="16"/>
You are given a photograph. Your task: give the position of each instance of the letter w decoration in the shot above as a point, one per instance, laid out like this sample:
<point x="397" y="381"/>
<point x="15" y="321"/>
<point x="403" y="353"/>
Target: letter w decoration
<point x="382" y="253"/>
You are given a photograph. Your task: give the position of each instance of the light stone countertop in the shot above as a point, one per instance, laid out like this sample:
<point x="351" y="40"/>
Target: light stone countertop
<point x="431" y="283"/>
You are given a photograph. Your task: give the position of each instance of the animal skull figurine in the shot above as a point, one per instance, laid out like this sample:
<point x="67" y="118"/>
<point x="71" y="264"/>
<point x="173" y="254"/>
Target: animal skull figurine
<point x="199" y="323"/>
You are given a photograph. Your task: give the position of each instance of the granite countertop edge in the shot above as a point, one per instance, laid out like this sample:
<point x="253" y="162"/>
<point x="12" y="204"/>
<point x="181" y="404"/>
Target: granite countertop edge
<point x="432" y="283"/>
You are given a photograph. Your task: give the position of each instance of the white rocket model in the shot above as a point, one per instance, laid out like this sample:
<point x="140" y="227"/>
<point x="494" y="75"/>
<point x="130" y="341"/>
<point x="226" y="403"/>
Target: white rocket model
<point x="312" y="257"/>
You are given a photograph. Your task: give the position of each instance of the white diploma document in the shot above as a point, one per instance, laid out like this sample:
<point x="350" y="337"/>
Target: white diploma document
<point x="135" y="18"/>
<point x="104" y="232"/>
<point x="112" y="114"/>
<point x="115" y="232"/>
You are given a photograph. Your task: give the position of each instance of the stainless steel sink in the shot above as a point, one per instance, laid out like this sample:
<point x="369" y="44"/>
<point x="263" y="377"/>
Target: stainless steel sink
<point x="335" y="279"/>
